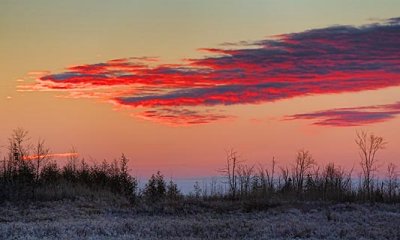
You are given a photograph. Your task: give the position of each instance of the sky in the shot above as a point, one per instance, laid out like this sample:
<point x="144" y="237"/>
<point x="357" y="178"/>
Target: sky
<point x="174" y="85"/>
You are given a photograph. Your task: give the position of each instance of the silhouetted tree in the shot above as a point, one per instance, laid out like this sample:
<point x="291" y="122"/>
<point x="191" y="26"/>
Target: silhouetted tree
<point x="69" y="171"/>
<point x="155" y="189"/>
<point x="287" y="180"/>
<point x="265" y="178"/>
<point x="391" y="180"/>
<point x="18" y="145"/>
<point x="245" y="177"/>
<point x="173" y="192"/>
<point x="41" y="157"/>
<point x="197" y="189"/>
<point x="50" y="173"/>
<point x="20" y="174"/>
<point x="302" y="166"/>
<point x="230" y="171"/>
<point x="368" y="145"/>
<point x="128" y="184"/>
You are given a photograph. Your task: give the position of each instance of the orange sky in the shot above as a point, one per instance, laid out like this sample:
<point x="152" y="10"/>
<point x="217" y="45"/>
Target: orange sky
<point x="46" y="38"/>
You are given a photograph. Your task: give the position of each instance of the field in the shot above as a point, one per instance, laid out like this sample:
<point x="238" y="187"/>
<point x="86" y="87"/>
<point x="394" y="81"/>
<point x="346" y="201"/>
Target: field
<point x="97" y="220"/>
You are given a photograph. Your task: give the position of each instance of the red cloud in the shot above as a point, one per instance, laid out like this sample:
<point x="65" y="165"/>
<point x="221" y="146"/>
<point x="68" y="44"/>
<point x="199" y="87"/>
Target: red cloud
<point x="320" y="61"/>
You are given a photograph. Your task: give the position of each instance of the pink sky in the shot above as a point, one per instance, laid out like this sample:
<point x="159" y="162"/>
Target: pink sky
<point x="174" y="87"/>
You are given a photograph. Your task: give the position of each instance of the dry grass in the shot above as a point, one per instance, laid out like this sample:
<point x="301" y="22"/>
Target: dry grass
<point x="100" y="220"/>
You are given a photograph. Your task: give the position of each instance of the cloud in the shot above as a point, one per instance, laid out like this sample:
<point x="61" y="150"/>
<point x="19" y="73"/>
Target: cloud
<point x="329" y="60"/>
<point x="347" y="117"/>
<point x="393" y="20"/>
<point x="52" y="155"/>
<point x="38" y="73"/>
<point x="181" y="117"/>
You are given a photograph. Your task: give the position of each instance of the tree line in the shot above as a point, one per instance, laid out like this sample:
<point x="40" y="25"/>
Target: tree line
<point x="304" y="179"/>
<point x="28" y="173"/>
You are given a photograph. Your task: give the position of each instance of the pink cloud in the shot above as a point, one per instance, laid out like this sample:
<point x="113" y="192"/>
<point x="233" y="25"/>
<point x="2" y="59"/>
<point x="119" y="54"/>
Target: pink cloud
<point x="181" y="117"/>
<point x="347" y="117"/>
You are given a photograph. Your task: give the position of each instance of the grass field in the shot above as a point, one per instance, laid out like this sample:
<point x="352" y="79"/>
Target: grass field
<point x="97" y="220"/>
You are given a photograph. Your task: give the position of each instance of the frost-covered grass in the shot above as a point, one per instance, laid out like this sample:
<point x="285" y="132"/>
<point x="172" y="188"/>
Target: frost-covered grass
<point x="84" y="220"/>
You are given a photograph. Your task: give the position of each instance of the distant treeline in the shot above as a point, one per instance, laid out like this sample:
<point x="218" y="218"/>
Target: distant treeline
<point x="28" y="173"/>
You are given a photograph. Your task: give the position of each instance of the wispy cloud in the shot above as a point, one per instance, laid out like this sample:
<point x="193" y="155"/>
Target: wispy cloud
<point x="347" y="117"/>
<point x="181" y="117"/>
<point x="320" y="61"/>
<point x="52" y="155"/>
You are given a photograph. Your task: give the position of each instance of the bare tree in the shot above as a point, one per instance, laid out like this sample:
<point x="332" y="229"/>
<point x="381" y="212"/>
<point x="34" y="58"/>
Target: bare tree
<point x="213" y="187"/>
<point x="266" y="177"/>
<point x="392" y="180"/>
<point x="197" y="190"/>
<point x="230" y="170"/>
<point x="335" y="181"/>
<point x="270" y="175"/>
<point x="368" y="145"/>
<point x="287" y="181"/>
<point x="302" y="166"/>
<point x="18" y="146"/>
<point x="261" y="181"/>
<point x="41" y="157"/>
<point x="18" y="149"/>
<point x="20" y="173"/>
<point x="72" y="159"/>
<point x="245" y="175"/>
